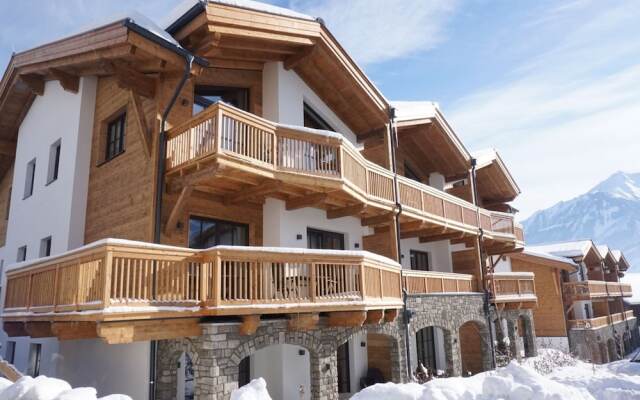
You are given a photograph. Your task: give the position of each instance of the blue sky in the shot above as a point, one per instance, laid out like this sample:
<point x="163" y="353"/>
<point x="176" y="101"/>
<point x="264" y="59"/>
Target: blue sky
<point x="554" y="86"/>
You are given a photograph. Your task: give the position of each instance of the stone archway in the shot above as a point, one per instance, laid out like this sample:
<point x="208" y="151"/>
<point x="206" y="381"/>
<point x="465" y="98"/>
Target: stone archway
<point x="172" y="355"/>
<point x="475" y="348"/>
<point x="437" y="343"/>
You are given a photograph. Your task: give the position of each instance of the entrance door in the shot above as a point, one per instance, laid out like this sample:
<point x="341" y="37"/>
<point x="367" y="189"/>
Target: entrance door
<point x="425" y="344"/>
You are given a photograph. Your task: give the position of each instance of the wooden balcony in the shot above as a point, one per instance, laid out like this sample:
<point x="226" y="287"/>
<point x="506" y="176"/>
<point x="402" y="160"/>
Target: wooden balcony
<point x="590" y="290"/>
<point x="123" y="291"/>
<point x="514" y="289"/>
<point x="240" y="156"/>
<point x="427" y="282"/>
<point x="600" y="322"/>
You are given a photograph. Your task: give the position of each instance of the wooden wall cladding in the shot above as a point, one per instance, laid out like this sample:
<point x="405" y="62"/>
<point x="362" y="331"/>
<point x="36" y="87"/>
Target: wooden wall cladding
<point x="5" y="193"/>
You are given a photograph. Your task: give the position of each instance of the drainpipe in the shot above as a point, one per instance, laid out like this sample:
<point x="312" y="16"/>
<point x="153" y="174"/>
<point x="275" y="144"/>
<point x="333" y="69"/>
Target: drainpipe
<point x="160" y="186"/>
<point x="486" y="296"/>
<point x="406" y="315"/>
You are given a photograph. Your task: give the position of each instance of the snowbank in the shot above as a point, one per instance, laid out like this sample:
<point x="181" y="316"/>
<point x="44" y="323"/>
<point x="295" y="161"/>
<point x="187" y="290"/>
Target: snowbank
<point x="566" y="378"/>
<point x="43" y="388"/>
<point x="254" y="390"/>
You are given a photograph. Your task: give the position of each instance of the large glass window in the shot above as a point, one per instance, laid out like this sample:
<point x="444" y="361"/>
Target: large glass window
<point x="419" y="260"/>
<point x="318" y="239"/>
<point x="115" y="136"/>
<point x="205" y="96"/>
<point x="205" y="233"/>
<point x="313" y="120"/>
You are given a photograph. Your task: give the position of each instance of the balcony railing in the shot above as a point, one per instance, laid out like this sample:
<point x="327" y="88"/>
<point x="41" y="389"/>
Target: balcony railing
<point x="115" y="277"/>
<point x="513" y="287"/>
<point x="586" y="290"/>
<point x="294" y="154"/>
<point x="427" y="282"/>
<point x="599" y="322"/>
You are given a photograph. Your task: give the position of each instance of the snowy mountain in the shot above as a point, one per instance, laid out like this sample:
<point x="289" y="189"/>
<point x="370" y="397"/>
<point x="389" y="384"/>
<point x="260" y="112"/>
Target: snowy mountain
<point x="609" y="214"/>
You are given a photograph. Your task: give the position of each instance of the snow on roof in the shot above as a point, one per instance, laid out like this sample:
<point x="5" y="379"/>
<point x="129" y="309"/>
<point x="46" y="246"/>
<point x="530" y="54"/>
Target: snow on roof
<point x="633" y="278"/>
<point x="410" y="110"/>
<point x="617" y="254"/>
<point x="577" y="248"/>
<point x="603" y="249"/>
<point x="484" y="157"/>
<point x="182" y="8"/>
<point x="540" y="254"/>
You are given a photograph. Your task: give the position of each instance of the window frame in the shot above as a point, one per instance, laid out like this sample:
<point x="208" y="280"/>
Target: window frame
<point x="54" y="161"/>
<point x="218" y="224"/>
<point x="414" y="255"/>
<point x="324" y="237"/>
<point x="426" y="347"/>
<point x="200" y="91"/>
<point x="11" y="346"/>
<point x="118" y="144"/>
<point x="313" y="115"/>
<point x="22" y="251"/>
<point x="47" y="242"/>
<point x="30" y="179"/>
<point x="35" y="358"/>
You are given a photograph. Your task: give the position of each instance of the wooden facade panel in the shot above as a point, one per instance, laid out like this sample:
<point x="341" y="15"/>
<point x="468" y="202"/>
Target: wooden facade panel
<point x="5" y="193"/>
<point x="548" y="317"/>
<point x="120" y="194"/>
<point x="379" y="353"/>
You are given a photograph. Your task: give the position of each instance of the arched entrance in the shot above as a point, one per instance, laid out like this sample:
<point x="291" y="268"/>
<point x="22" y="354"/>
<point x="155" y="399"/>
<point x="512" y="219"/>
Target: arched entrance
<point x="285" y="367"/>
<point x="433" y="350"/>
<point x="185" y="384"/>
<point x="474" y="347"/>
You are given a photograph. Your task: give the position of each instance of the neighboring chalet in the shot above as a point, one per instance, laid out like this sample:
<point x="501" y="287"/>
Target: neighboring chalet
<point x="232" y="197"/>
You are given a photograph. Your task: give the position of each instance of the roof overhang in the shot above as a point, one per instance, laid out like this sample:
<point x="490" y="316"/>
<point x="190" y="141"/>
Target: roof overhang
<point x="495" y="182"/>
<point x="543" y="259"/>
<point x="231" y="36"/>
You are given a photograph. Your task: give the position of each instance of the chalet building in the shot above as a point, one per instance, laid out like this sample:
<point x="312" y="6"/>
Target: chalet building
<point x="580" y="298"/>
<point x="188" y="208"/>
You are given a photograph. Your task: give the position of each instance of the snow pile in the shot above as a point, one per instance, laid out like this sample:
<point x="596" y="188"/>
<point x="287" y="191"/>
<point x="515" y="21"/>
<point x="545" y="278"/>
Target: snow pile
<point x="43" y="388"/>
<point x="254" y="390"/>
<point x="563" y="378"/>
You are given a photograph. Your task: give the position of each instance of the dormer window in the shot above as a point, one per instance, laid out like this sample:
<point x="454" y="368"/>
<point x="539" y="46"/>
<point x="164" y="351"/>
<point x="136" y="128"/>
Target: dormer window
<point x="205" y="96"/>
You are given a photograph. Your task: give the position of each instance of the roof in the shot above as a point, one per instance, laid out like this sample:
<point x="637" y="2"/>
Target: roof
<point x="573" y="249"/>
<point x="413" y="110"/>
<point x="547" y="259"/>
<point x="623" y="263"/>
<point x="491" y="170"/>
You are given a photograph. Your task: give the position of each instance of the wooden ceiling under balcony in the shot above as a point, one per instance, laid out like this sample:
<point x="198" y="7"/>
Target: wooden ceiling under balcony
<point x="239" y="38"/>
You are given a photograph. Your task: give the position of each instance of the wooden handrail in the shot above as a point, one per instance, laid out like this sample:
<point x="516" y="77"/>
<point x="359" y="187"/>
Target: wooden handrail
<point x="429" y="282"/>
<point x="599" y="322"/>
<point x="592" y="288"/>
<point x="224" y="130"/>
<point x="513" y="286"/>
<point x="9" y="371"/>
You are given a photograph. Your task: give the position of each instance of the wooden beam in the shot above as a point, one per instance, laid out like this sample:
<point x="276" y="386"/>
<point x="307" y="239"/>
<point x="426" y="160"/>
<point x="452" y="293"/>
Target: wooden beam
<point x="441" y="236"/>
<point x="377" y="220"/>
<point x="247" y="193"/>
<point x="310" y="200"/>
<point x="347" y="318"/>
<point x="303" y="322"/>
<point x="14" y="328"/>
<point x="193" y="178"/>
<point x="157" y="329"/>
<point x="208" y="43"/>
<point x="129" y="78"/>
<point x="345" y="211"/>
<point x="390" y="315"/>
<point x="7" y="147"/>
<point x="141" y="122"/>
<point x="374" y="317"/>
<point x="39" y="329"/>
<point x="75" y="330"/>
<point x="250" y="324"/>
<point x="69" y="82"/>
<point x="294" y="60"/>
<point x="378" y="132"/>
<point x="177" y="209"/>
<point x="34" y="82"/>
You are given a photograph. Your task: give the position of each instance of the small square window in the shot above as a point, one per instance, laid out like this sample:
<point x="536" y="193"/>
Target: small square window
<point x="35" y="352"/>
<point x="10" y="352"/>
<point x="115" y="137"/>
<point x="22" y="253"/>
<point x="45" y="247"/>
<point x="29" y="178"/>
<point x="54" y="161"/>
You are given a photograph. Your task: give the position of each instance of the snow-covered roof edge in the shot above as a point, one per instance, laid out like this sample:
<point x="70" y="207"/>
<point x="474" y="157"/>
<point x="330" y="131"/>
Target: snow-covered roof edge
<point x="572" y="249"/>
<point x="486" y="157"/>
<point x="533" y="253"/>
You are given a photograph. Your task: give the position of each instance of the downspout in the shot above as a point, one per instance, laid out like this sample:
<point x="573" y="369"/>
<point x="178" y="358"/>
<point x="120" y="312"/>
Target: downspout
<point x="486" y="300"/>
<point x="406" y="316"/>
<point x="160" y="186"/>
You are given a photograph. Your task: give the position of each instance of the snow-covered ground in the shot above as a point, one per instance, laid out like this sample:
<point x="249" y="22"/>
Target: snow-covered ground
<point x="43" y="388"/>
<point x="552" y="375"/>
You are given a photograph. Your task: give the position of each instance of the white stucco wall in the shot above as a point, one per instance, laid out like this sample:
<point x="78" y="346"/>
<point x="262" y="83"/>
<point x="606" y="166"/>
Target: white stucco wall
<point x="437" y="180"/>
<point x="439" y="253"/>
<point x="503" y="264"/>
<point x="56" y="209"/>
<point x="283" y="96"/>
<point x="287" y="373"/>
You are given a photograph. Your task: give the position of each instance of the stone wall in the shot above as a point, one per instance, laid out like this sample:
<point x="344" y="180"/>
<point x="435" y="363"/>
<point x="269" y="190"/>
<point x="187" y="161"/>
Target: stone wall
<point x="605" y="344"/>
<point x="522" y="343"/>
<point x="216" y="356"/>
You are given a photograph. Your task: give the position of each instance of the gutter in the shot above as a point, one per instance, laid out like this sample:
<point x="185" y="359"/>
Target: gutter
<point x="184" y="19"/>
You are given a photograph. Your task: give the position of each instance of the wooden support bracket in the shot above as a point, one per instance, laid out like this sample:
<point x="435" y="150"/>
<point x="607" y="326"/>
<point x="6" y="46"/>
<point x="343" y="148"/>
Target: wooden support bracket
<point x="378" y="219"/>
<point x="34" y="82"/>
<point x="250" y="324"/>
<point x="390" y="315"/>
<point x="177" y="209"/>
<point x="310" y="200"/>
<point x="347" y="318"/>
<point x="259" y="190"/>
<point x="141" y="122"/>
<point x="69" y="82"/>
<point x="157" y="329"/>
<point x="345" y="211"/>
<point x="303" y="322"/>
<point x="374" y="317"/>
<point x="294" y="60"/>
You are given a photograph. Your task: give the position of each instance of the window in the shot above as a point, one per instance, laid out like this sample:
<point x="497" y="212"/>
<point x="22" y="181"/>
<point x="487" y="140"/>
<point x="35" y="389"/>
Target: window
<point x="45" y="247"/>
<point x="6" y="216"/>
<point x="115" y="137"/>
<point x="10" y="352"/>
<point x="205" y="96"/>
<point x="22" y="253"/>
<point x="317" y="239"/>
<point x="426" y="347"/>
<point x="244" y="371"/>
<point x="409" y="173"/>
<point x="419" y="260"/>
<point x="313" y="120"/>
<point x="54" y="161"/>
<point x="344" y="376"/>
<point x="29" y="179"/>
<point x="205" y="233"/>
<point x="35" y="350"/>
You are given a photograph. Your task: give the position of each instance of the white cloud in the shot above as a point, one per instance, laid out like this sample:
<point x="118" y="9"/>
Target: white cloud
<point x="380" y="30"/>
<point x="568" y="117"/>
